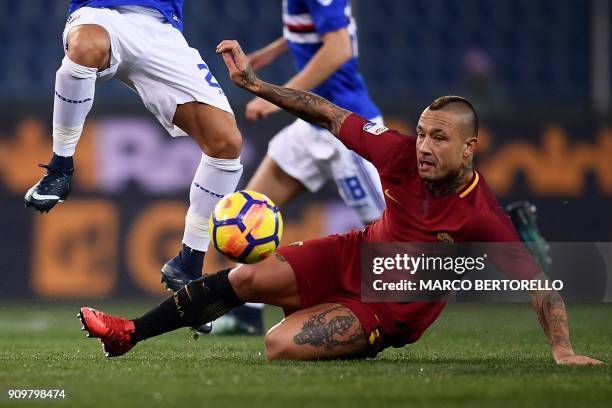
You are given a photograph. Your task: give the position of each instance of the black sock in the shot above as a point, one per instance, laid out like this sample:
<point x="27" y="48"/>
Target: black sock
<point x="61" y="163"/>
<point x="201" y="301"/>
<point x="192" y="260"/>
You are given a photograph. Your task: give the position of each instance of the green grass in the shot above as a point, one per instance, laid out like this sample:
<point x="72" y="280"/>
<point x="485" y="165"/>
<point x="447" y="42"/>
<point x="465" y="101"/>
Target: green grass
<point x="473" y="355"/>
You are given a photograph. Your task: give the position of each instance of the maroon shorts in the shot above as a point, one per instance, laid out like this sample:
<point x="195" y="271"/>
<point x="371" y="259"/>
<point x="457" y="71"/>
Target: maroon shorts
<point x="328" y="270"/>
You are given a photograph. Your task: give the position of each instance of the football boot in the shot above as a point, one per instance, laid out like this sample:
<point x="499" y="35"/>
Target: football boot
<point x="52" y="188"/>
<point x="115" y="333"/>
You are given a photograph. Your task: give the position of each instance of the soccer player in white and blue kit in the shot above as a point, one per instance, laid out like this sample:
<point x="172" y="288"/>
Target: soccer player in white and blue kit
<point x="140" y="42"/>
<point x="321" y="36"/>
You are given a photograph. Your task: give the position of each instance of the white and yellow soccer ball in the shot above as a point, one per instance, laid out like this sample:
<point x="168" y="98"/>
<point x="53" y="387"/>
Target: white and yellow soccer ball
<point x="246" y="226"/>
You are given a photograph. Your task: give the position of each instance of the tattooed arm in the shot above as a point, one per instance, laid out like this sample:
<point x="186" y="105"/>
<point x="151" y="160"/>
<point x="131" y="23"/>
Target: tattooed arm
<point x="305" y="105"/>
<point x="550" y="308"/>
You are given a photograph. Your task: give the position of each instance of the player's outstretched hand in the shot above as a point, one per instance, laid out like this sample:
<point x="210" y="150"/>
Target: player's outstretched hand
<point x="574" y="359"/>
<point x="238" y="65"/>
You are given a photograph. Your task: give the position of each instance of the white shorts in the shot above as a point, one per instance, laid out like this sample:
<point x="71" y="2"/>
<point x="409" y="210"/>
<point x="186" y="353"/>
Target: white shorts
<point x="312" y="155"/>
<point x="153" y="59"/>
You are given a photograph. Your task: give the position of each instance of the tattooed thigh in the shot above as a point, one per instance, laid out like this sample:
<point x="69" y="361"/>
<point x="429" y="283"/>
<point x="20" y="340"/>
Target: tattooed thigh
<point x="330" y="328"/>
<point x="322" y="331"/>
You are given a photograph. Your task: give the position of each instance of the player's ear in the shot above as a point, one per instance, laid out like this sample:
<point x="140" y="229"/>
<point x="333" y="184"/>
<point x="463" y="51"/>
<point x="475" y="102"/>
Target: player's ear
<point x="470" y="146"/>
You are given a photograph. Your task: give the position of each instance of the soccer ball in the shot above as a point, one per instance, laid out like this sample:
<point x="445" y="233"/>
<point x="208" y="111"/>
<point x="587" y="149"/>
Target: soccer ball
<point x="246" y="226"/>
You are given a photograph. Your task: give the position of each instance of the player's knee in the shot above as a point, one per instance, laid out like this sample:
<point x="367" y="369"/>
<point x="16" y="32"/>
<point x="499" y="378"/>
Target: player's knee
<point x="243" y="281"/>
<point x="277" y="347"/>
<point x="226" y="146"/>
<point x="273" y="347"/>
<point x="89" y="46"/>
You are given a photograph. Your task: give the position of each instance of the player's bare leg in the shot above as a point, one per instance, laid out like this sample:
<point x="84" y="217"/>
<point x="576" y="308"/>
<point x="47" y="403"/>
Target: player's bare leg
<point x="87" y="53"/>
<point x="271" y="180"/>
<point x="324" y="331"/>
<point x="89" y="45"/>
<point x="216" y="133"/>
<point x="213" y="129"/>
<point x="271" y="281"/>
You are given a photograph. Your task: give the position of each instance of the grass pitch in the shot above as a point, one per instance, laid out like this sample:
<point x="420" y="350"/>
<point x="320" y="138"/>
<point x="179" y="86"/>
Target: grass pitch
<point x="474" y="355"/>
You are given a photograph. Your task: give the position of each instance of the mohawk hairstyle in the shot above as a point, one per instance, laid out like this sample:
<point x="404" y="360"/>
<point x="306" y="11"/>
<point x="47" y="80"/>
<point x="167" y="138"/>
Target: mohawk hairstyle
<point x="444" y="101"/>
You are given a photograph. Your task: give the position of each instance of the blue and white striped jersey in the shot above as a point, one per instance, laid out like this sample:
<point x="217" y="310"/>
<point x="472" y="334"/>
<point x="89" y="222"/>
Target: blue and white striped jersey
<point x="305" y="22"/>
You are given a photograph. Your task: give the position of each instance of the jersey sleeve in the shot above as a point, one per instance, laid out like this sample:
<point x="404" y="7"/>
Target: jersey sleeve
<point x="507" y="252"/>
<point x="388" y="150"/>
<point x="328" y="15"/>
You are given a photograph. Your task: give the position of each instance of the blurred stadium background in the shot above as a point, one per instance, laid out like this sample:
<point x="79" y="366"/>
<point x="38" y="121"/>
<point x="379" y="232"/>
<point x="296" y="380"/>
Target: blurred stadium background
<point x="538" y="72"/>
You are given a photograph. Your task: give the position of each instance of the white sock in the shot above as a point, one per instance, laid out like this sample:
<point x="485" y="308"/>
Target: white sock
<point x="74" y="94"/>
<point x="213" y="179"/>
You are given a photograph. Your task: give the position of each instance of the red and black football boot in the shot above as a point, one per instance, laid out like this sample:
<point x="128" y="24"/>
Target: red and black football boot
<point x="115" y="333"/>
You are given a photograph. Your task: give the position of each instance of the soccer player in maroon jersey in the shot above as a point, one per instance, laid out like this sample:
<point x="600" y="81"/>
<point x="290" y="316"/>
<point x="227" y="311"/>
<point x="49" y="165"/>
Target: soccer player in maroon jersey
<point x="430" y="188"/>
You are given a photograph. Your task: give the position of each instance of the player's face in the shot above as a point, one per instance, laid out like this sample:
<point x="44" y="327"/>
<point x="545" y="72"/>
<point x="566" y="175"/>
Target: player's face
<point x="440" y="144"/>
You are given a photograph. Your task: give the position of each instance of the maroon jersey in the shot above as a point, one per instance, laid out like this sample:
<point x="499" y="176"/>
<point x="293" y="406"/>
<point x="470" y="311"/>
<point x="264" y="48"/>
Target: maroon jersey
<point x="413" y="214"/>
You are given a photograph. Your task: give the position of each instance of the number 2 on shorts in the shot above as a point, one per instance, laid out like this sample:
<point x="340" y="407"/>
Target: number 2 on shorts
<point x="209" y="76"/>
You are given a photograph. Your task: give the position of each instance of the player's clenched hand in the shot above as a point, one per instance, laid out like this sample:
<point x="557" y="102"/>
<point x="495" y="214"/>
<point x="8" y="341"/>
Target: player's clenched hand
<point x="259" y="108"/>
<point x="574" y="359"/>
<point x="238" y="65"/>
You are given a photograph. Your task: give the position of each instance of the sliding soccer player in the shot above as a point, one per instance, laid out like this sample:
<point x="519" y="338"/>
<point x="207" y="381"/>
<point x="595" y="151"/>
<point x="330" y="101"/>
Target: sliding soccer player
<point x="430" y="187"/>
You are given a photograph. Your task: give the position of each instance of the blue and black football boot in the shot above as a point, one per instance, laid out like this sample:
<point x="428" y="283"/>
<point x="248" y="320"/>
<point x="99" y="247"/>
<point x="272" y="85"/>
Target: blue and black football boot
<point x="54" y="187"/>
<point x="174" y="277"/>
<point x="523" y="216"/>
